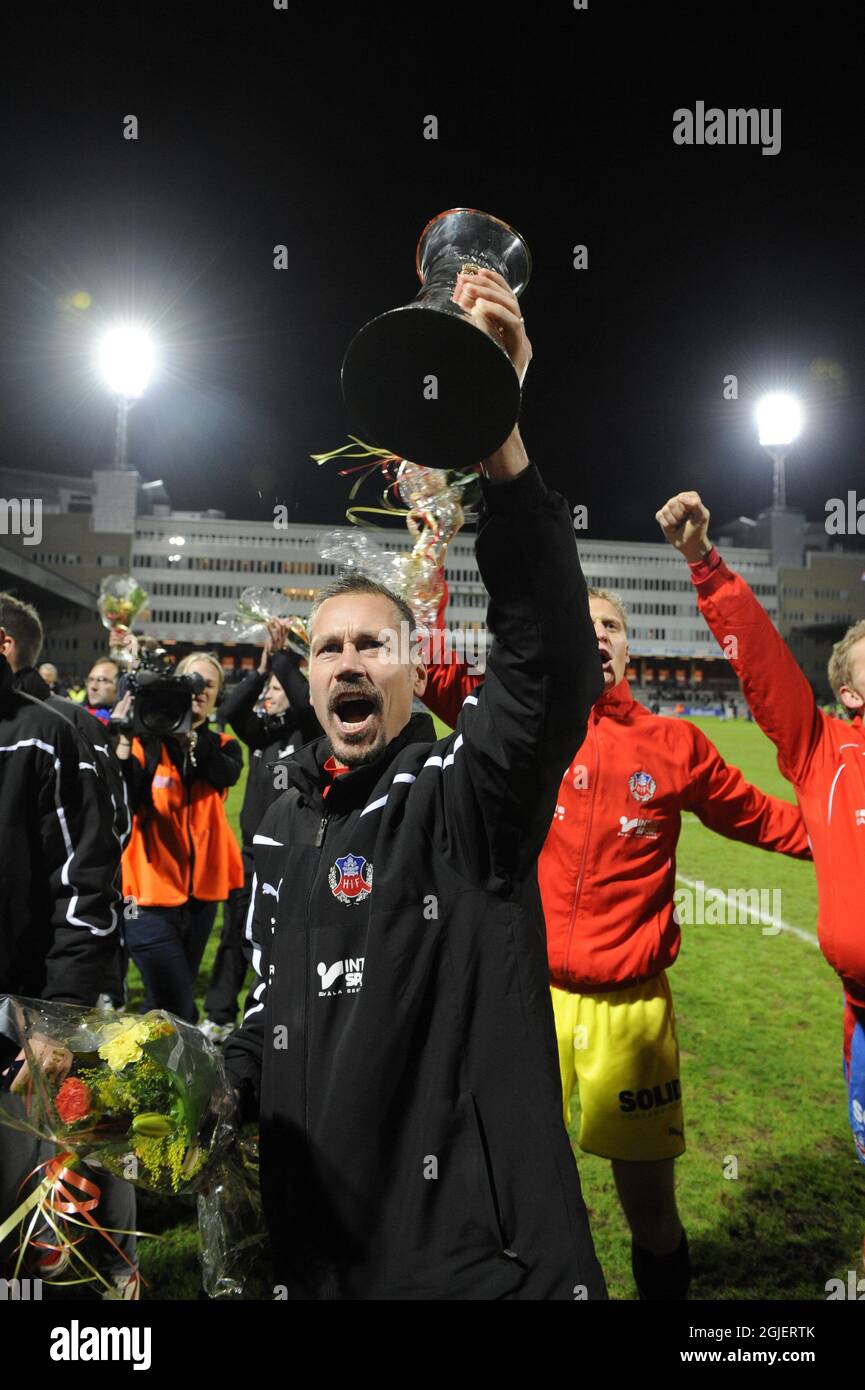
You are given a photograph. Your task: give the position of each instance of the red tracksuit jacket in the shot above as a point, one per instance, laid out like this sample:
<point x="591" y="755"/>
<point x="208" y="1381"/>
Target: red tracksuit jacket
<point x="607" y="871"/>
<point x="824" y="758"/>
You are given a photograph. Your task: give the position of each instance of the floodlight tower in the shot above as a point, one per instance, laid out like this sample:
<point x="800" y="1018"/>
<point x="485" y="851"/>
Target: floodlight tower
<point x="779" y="423"/>
<point x="126" y="360"/>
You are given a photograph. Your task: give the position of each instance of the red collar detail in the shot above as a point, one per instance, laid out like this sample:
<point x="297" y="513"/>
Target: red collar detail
<point x="335" y="770"/>
<point x="618" y="700"/>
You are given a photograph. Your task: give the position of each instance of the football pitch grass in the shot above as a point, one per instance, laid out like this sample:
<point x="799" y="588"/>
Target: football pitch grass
<point x="770" y="1190"/>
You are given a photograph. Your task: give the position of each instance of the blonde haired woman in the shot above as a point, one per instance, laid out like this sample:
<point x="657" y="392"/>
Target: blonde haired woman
<point x="182" y="859"/>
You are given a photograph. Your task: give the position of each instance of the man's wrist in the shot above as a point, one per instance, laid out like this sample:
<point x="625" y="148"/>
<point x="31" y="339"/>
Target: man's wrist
<point x="698" y="551"/>
<point x="508" y="461"/>
<point x="704" y="566"/>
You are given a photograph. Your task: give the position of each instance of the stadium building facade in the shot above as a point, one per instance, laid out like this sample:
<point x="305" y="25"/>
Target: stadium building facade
<point x="195" y="565"/>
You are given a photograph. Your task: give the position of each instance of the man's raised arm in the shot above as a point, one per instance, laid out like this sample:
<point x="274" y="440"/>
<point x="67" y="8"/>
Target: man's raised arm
<point x="777" y="692"/>
<point x="518" y="733"/>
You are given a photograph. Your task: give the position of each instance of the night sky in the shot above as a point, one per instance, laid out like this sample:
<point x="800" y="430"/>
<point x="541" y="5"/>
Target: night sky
<point x="259" y="127"/>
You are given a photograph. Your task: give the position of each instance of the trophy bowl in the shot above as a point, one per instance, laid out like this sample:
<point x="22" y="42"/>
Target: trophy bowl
<point x="423" y="380"/>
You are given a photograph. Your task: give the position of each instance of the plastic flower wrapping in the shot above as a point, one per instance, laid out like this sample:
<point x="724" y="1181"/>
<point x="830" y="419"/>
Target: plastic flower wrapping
<point x="121" y="599"/>
<point x="437" y="501"/>
<point x="252" y="612"/>
<point x="146" y="1097"/>
<point x="142" y="1097"/>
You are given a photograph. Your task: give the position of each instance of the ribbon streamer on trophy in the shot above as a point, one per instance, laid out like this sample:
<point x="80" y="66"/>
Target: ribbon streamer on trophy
<point x="437" y="501"/>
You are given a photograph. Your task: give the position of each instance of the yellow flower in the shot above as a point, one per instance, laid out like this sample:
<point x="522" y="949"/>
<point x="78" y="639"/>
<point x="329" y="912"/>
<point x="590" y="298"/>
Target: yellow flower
<point x="123" y="1044"/>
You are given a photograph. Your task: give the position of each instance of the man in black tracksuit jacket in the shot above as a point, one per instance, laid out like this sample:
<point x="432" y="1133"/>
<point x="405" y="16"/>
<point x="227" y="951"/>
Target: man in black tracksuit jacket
<point x="60" y="895"/>
<point x="399" y="1039"/>
<point x="98" y="757"/>
<point x="60" y="902"/>
<point x="268" y="738"/>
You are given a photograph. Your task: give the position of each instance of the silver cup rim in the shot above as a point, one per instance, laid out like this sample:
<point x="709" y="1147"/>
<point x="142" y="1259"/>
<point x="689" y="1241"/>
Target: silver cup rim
<point x="502" y="223"/>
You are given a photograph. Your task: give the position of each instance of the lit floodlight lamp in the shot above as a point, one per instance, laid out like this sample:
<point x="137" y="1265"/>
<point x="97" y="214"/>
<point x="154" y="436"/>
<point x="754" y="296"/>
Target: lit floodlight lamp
<point x="126" y="360"/>
<point x="779" y="420"/>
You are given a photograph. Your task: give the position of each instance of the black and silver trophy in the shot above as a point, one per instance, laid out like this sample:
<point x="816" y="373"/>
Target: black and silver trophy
<point x="423" y="381"/>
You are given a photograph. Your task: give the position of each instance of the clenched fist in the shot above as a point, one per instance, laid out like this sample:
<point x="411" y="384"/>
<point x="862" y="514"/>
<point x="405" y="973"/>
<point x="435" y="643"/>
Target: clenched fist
<point x="684" y="521"/>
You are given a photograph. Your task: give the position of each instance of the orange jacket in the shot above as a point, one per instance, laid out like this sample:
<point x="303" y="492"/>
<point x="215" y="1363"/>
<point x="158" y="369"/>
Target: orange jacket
<point x="824" y="758"/>
<point x="182" y="847"/>
<point x="607" y="871"/>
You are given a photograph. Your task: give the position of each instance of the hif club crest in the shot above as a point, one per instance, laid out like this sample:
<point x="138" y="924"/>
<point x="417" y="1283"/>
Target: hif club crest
<point x="350" y="879"/>
<point x="643" y="786"/>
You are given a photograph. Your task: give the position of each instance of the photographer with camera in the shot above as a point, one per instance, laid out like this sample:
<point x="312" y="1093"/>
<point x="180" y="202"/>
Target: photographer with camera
<point x="182" y="859"/>
<point x="288" y="721"/>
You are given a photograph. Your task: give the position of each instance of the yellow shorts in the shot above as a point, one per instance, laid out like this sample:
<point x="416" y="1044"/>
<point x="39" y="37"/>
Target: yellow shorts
<point x="621" y="1050"/>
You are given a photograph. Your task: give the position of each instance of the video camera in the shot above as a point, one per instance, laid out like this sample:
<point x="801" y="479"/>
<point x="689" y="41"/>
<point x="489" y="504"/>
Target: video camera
<point x="162" y="701"/>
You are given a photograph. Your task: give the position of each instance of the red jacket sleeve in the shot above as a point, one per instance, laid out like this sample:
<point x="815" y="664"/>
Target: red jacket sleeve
<point x="728" y="804"/>
<point x="777" y="692"/>
<point x="448" y="682"/>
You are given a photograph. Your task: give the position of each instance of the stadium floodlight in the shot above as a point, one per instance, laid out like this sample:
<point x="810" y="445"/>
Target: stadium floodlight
<point x="779" y="423"/>
<point x="779" y="419"/>
<point x="127" y="357"/>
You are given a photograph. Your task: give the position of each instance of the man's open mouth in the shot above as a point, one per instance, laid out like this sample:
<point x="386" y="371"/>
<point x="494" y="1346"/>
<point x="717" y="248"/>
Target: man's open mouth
<point x="606" y="658"/>
<point x="353" y="714"/>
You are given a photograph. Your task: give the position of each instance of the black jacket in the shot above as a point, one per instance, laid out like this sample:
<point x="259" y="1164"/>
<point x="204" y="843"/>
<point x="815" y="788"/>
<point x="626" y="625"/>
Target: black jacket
<point x="97" y="746"/>
<point x="60" y="893"/>
<point x="400" y="1037"/>
<point x="268" y="739"/>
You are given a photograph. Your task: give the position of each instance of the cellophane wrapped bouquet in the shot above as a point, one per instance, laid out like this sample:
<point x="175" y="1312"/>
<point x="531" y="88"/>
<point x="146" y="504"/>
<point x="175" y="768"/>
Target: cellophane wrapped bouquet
<point x="247" y="622"/>
<point x="121" y="600"/>
<point x="145" y="1098"/>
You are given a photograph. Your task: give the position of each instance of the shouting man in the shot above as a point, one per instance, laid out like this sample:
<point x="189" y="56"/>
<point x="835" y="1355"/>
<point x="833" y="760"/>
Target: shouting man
<point x="607" y="874"/>
<point x="399" y="1042"/>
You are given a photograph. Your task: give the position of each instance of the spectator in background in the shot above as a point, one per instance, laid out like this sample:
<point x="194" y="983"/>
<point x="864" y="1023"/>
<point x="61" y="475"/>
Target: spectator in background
<point x="182" y="860"/>
<point x="102" y="682"/>
<point x="51" y="676"/>
<point x="287" y="723"/>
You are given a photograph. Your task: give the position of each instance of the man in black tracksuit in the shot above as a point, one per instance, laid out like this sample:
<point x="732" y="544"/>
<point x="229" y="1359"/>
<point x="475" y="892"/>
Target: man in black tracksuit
<point x="23" y="626"/>
<point x="60" y="896"/>
<point x="269" y="738"/>
<point x="60" y="900"/>
<point x="398" y="1044"/>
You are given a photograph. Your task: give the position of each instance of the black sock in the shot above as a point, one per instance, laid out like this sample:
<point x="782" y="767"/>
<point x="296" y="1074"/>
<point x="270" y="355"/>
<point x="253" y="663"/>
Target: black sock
<point x="662" y="1276"/>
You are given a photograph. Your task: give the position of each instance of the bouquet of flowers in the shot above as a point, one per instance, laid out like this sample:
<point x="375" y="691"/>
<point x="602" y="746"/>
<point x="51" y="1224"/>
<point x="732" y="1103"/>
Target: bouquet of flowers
<point x="252" y="612"/>
<point x="437" y="503"/>
<point x="121" y="599"/>
<point x="146" y="1096"/>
